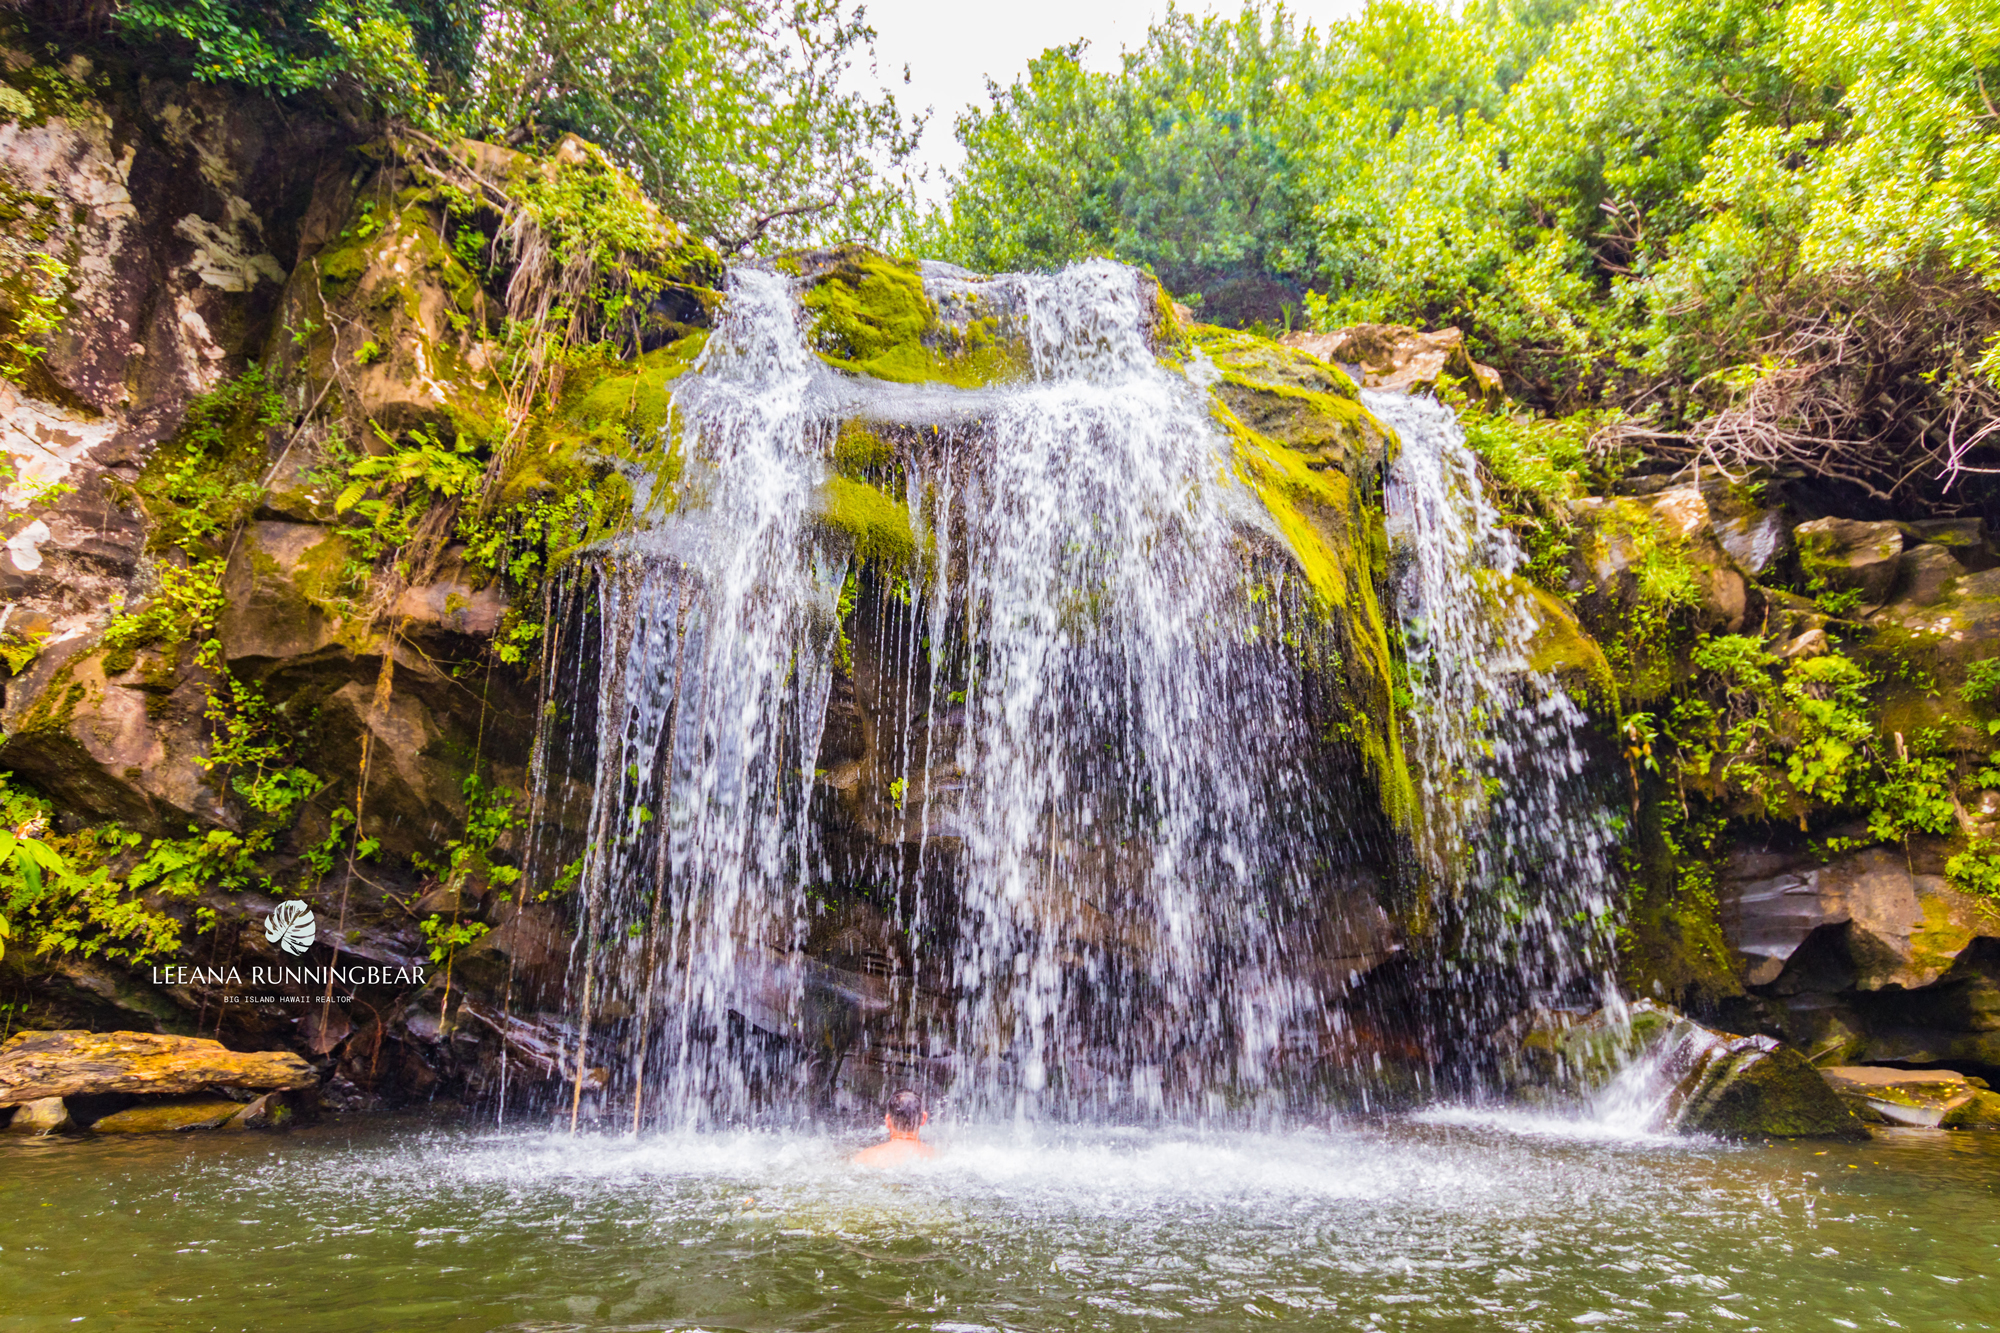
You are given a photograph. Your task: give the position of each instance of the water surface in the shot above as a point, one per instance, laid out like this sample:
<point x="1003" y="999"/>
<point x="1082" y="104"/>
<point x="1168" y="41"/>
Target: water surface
<point x="1447" y="1221"/>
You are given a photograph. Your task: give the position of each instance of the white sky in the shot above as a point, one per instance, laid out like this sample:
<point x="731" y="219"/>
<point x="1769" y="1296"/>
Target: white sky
<point x="951" y="49"/>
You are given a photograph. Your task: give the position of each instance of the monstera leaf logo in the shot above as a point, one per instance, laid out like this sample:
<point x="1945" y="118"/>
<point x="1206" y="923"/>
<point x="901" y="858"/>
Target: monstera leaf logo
<point x="290" y="927"/>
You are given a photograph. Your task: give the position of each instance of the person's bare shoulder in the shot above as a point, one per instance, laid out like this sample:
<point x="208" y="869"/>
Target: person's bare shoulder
<point x="896" y="1152"/>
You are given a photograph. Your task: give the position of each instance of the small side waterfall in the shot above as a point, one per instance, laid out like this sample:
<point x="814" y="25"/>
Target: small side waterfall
<point x="1132" y="873"/>
<point x="1511" y="833"/>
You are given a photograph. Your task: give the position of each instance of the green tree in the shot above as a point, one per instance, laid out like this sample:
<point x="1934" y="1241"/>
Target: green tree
<point x="741" y="118"/>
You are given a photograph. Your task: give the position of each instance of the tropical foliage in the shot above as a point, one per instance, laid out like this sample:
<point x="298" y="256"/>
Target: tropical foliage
<point x="1769" y="233"/>
<point x="742" y="118"/>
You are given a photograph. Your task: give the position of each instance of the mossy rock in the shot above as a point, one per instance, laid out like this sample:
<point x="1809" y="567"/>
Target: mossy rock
<point x="878" y="526"/>
<point x="1750" y="1087"/>
<point x="1925" y="1098"/>
<point x="859" y="451"/>
<point x="1982" y="1111"/>
<point x="634" y="398"/>
<point x="1294" y="398"/>
<point x="1556" y="1052"/>
<point x="1562" y="649"/>
<point x="871" y="316"/>
<point x="1321" y="495"/>
<point x="168" y="1115"/>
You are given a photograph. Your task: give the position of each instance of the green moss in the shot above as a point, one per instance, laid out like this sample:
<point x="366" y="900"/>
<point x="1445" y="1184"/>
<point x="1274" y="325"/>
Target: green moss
<point x="56" y="705"/>
<point x="322" y="574"/>
<point x="857" y="451"/>
<point x="878" y="525"/>
<point x="1938" y="939"/>
<point x="1269" y="364"/>
<point x="1560" y="647"/>
<point x="871" y="316"/>
<point x="1172" y="342"/>
<point x="344" y="264"/>
<point x="199" y="485"/>
<point x="1340" y="549"/>
<point x="635" y="398"/>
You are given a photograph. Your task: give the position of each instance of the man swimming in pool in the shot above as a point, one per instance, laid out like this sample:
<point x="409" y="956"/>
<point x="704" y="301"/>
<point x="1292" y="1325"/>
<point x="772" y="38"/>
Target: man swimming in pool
<point x="903" y="1118"/>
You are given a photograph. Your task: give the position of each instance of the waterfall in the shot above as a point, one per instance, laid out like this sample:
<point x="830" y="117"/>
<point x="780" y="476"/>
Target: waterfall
<point x="1511" y="832"/>
<point x="1141" y="817"/>
<point x="1130" y="875"/>
<point x="716" y="658"/>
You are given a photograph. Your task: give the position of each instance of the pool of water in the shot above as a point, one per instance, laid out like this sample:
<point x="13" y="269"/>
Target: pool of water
<point x="1445" y="1221"/>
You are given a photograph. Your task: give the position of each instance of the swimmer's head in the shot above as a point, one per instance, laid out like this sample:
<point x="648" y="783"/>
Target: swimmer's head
<point x="906" y="1111"/>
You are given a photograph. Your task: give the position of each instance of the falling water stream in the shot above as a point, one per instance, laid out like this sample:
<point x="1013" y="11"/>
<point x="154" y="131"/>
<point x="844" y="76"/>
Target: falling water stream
<point x="1143" y="882"/>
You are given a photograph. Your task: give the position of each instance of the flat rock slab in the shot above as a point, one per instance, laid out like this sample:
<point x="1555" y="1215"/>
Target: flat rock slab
<point x="163" y="1117"/>
<point x="34" y="1065"/>
<point x="1920" y="1097"/>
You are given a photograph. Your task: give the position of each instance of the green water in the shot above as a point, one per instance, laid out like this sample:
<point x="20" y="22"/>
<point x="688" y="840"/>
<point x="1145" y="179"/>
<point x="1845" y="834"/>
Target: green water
<point x="1444" y="1222"/>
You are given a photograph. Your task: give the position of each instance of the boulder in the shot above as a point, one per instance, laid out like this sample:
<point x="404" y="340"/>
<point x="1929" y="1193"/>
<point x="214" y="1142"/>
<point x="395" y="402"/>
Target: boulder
<point x="1953" y="1021"/>
<point x="1964" y="537"/>
<point x="1618" y="534"/>
<point x="1922" y="574"/>
<point x="1847" y="553"/>
<point x="1961" y="620"/>
<point x="1920" y="1097"/>
<point x="1906" y="928"/>
<point x="1685" y="516"/>
<point x="1697" y="1080"/>
<point x="1754" y="536"/>
<point x="37" y="1065"/>
<point x="167" y="1115"/>
<point x="1398" y="357"/>
<point x="44" y="1115"/>
<point x="284" y="587"/>
<point x="111" y="739"/>
<point x="1751" y="1087"/>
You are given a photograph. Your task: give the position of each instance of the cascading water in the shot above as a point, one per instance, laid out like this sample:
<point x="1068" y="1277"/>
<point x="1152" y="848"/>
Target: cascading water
<point x="1510" y="831"/>
<point x="1141" y="821"/>
<point x="716" y="658"/>
<point x="1136" y="870"/>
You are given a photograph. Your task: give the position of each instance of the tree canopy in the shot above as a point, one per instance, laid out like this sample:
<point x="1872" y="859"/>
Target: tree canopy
<point x="1759" y="227"/>
<point x="741" y="117"/>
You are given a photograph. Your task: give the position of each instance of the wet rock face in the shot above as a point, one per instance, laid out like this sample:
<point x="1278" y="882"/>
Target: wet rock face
<point x="1398" y="357"/>
<point x="173" y="209"/>
<point x="1873" y="956"/>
